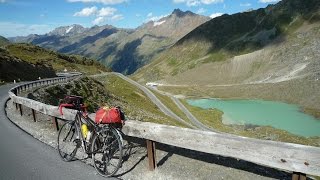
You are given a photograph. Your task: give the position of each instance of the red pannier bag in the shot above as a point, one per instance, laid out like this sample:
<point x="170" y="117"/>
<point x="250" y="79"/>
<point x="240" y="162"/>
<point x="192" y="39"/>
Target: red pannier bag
<point x="108" y="116"/>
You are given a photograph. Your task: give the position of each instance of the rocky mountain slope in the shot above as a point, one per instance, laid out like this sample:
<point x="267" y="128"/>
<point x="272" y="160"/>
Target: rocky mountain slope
<point x="273" y="55"/>
<point x="27" y="62"/>
<point x="219" y="43"/>
<point x="124" y="50"/>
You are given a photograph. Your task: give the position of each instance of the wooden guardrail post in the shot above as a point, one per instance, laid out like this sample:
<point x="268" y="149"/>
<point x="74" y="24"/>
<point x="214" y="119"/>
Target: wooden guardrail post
<point x="34" y="115"/>
<point x="151" y="151"/>
<point x="298" y="176"/>
<point x="55" y="123"/>
<point x="20" y="108"/>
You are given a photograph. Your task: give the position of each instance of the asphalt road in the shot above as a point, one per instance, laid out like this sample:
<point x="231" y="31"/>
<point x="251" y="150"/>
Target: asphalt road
<point x="190" y="116"/>
<point x="23" y="157"/>
<point x="154" y="99"/>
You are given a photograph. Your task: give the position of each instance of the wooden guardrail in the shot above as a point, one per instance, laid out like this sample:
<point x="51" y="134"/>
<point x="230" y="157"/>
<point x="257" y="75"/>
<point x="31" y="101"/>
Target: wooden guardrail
<point x="299" y="159"/>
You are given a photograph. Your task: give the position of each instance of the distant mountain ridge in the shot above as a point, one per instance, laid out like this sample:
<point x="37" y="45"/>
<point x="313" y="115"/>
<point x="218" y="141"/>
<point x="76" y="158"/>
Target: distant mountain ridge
<point x="124" y="50"/>
<point x="68" y="30"/>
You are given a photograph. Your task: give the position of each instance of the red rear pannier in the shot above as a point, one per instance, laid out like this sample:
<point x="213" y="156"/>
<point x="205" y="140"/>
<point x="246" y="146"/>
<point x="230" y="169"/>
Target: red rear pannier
<point x="108" y="116"/>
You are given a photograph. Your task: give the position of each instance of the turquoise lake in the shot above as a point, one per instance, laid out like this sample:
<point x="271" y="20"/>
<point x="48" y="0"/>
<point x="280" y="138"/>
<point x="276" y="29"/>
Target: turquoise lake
<point x="263" y="113"/>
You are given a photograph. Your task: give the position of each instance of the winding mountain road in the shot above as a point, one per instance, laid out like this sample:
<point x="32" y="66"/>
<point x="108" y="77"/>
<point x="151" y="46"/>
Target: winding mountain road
<point x="190" y="116"/>
<point x="24" y="157"/>
<point x="195" y="122"/>
<point x="154" y="99"/>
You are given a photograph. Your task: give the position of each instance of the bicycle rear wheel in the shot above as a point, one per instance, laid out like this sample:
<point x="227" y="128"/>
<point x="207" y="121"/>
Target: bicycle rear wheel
<point x="68" y="141"/>
<point x="107" y="152"/>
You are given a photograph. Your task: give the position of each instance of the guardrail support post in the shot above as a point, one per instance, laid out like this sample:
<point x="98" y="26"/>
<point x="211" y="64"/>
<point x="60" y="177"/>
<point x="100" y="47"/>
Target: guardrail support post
<point x="298" y="176"/>
<point x="20" y="108"/>
<point x="151" y="150"/>
<point x="55" y="123"/>
<point x="34" y="115"/>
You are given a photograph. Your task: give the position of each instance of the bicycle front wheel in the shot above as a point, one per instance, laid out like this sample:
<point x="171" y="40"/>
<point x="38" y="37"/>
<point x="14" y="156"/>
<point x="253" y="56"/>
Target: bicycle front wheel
<point x="68" y="141"/>
<point x="107" y="152"/>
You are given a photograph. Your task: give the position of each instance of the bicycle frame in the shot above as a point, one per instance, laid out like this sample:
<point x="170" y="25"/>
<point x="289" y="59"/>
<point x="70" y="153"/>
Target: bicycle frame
<point x="105" y="146"/>
<point x="96" y="129"/>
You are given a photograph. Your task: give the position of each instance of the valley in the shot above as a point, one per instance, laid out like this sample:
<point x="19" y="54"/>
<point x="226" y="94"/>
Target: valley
<point x="274" y="56"/>
<point x="209" y="88"/>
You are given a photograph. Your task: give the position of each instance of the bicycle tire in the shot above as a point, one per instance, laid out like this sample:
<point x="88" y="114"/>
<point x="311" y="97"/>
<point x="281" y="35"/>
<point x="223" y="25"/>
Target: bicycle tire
<point x="107" y="152"/>
<point x="68" y="141"/>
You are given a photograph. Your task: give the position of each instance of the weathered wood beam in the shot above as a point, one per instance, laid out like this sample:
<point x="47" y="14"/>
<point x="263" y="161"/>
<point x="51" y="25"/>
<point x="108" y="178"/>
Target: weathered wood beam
<point x="34" y="115"/>
<point x="20" y="109"/>
<point x="285" y="156"/>
<point x="55" y="123"/>
<point x="151" y="151"/>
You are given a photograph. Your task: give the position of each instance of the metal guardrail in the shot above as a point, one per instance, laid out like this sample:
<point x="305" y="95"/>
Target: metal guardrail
<point x="299" y="159"/>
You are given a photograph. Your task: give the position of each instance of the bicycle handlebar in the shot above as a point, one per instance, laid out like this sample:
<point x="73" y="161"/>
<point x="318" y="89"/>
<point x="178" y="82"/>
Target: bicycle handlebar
<point x="82" y="107"/>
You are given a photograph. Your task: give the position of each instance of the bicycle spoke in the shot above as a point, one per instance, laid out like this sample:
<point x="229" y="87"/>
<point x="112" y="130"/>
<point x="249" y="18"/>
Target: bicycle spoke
<point x="67" y="143"/>
<point x="108" y="159"/>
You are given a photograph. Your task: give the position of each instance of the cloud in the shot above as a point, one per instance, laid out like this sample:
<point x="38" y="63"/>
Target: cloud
<point x="102" y="15"/>
<point x="201" y="11"/>
<point x="193" y="3"/>
<point x="86" y="12"/>
<point x="211" y="1"/>
<point x="197" y="2"/>
<point x="214" y="15"/>
<point x="268" y="1"/>
<point x="149" y="14"/>
<point x="107" y="11"/>
<point x="245" y="4"/>
<point x="99" y="20"/>
<point x="117" y="17"/>
<point x="11" y="29"/>
<point x="99" y="1"/>
<point x="2" y="1"/>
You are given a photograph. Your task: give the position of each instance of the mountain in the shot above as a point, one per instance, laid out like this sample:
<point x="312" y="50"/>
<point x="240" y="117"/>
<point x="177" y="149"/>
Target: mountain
<point x="124" y="50"/>
<point x="270" y="53"/>
<point x="26" y="62"/>
<point x="4" y="41"/>
<point x="67" y="30"/>
<point x="148" y="40"/>
<point x="227" y="36"/>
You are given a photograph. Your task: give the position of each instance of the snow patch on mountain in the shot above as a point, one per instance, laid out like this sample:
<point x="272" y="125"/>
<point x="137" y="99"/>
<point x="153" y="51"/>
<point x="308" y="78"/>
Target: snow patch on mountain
<point x="158" y="23"/>
<point x="69" y="29"/>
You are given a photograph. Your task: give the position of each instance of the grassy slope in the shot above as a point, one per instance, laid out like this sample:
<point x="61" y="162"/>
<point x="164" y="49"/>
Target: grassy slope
<point x="135" y="103"/>
<point x="27" y="62"/>
<point x="36" y="54"/>
<point x="4" y="41"/>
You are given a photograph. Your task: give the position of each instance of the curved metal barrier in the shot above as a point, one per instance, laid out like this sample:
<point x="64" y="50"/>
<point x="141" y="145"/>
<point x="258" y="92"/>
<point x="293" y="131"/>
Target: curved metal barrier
<point x="299" y="159"/>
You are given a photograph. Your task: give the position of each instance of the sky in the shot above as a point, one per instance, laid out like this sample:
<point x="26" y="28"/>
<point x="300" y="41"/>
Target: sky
<point x="24" y="17"/>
